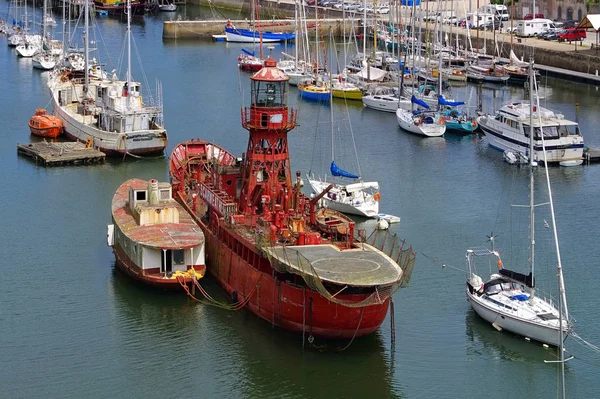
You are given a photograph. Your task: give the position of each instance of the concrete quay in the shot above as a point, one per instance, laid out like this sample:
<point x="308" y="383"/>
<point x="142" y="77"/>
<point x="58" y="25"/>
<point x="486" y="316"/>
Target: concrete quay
<point x="570" y="61"/>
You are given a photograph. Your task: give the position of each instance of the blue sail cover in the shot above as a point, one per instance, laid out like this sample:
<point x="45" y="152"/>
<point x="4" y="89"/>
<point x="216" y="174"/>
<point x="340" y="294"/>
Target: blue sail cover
<point x="336" y="171"/>
<point x="422" y="103"/>
<point x="410" y="2"/>
<point x="443" y="101"/>
<point x="248" y="52"/>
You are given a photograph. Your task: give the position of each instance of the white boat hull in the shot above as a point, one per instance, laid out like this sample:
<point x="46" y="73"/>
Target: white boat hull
<point x="26" y="51"/>
<point x="528" y="329"/>
<point x="386" y="103"/>
<point x="81" y="129"/>
<point x="367" y="207"/>
<point x="43" y="63"/>
<point x="407" y="123"/>
<point x="518" y="143"/>
<point x="247" y="39"/>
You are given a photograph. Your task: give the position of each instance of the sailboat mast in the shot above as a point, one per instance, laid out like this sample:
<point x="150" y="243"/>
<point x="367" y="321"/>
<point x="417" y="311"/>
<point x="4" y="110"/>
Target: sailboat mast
<point x="297" y="33"/>
<point x="316" y="39"/>
<point x="86" y="47"/>
<point x="532" y="163"/>
<point x="44" y="20"/>
<point x="331" y="100"/>
<point x="64" y="30"/>
<point x="128" y="49"/>
<point x="563" y="308"/>
<point x="365" y="32"/>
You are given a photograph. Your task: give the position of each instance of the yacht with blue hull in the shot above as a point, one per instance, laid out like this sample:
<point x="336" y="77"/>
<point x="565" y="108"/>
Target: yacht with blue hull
<point x="509" y="131"/>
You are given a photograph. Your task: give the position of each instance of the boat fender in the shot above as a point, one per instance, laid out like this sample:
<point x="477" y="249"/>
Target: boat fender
<point x="234" y="296"/>
<point x="442" y="120"/>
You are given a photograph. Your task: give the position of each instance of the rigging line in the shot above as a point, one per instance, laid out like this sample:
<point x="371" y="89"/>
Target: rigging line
<point x="583" y="342"/>
<point x="437" y="261"/>
<point x="144" y="77"/>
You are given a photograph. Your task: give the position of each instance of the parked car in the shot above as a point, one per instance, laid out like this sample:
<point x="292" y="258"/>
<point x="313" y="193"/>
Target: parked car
<point x="530" y="16"/>
<point x="450" y="20"/>
<point x="511" y="30"/>
<point x="572" y="34"/>
<point x="492" y="25"/>
<point x="383" y="10"/>
<point x="550" y="34"/>
<point x="569" y="24"/>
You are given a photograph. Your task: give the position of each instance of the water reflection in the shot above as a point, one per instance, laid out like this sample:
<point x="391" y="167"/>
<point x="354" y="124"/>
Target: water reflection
<point x="266" y="361"/>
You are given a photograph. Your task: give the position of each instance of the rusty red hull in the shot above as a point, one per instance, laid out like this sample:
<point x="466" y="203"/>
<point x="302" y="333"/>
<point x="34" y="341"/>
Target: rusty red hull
<point x="150" y="277"/>
<point x="293" y="308"/>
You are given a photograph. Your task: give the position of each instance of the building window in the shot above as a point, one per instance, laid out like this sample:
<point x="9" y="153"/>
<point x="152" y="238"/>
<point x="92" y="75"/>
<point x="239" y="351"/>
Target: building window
<point x="579" y="15"/>
<point x="559" y="13"/>
<point x="569" y="13"/>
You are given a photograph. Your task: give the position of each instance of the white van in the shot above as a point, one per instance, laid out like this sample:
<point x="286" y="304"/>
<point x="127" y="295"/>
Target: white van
<point x="533" y="27"/>
<point x="499" y="10"/>
<point x="476" y="19"/>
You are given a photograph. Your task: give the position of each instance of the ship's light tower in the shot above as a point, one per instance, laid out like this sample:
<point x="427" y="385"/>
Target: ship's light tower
<point x="267" y="180"/>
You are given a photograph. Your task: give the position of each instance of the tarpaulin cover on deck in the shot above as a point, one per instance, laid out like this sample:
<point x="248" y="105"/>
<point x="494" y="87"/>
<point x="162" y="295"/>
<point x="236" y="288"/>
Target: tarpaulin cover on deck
<point x="336" y="171"/>
<point x="443" y="101"/>
<point x="422" y="103"/>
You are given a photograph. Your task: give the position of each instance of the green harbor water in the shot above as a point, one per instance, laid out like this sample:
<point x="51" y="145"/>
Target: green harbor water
<point x="71" y="326"/>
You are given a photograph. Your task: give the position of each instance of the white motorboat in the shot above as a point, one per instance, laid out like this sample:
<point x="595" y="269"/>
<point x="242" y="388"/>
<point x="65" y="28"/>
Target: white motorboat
<point x="510" y="300"/>
<point x="428" y="124"/>
<point x="169" y="7"/>
<point x="509" y="131"/>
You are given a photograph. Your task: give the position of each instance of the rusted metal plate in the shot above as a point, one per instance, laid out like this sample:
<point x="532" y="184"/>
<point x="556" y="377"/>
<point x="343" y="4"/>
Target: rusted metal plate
<point x="182" y="235"/>
<point x="362" y="267"/>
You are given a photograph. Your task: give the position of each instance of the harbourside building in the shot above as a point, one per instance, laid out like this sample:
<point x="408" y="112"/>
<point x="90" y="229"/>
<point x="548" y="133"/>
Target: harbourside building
<point x="560" y="10"/>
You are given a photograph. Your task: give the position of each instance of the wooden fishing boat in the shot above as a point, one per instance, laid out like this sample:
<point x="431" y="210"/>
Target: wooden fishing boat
<point x="154" y="239"/>
<point x="44" y="125"/>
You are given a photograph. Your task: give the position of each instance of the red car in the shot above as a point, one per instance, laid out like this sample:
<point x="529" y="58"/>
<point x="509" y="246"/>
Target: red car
<point x="572" y="34"/>
<point x="530" y="16"/>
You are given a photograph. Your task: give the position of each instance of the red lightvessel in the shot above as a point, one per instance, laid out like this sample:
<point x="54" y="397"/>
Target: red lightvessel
<point x="296" y="266"/>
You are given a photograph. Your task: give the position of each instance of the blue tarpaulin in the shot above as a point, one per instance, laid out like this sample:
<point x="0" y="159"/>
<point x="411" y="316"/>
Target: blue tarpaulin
<point x="248" y="52"/>
<point x="336" y="171"/>
<point x="410" y="2"/>
<point x="443" y="101"/>
<point x="422" y="103"/>
<point x="520" y="297"/>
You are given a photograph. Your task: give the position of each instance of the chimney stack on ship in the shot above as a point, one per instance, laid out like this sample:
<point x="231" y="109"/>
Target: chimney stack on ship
<point x="153" y="198"/>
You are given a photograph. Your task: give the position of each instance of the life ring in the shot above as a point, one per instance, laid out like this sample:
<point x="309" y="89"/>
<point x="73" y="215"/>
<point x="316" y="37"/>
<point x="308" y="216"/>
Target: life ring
<point x="442" y="120"/>
<point x="90" y="142"/>
<point x="376" y="196"/>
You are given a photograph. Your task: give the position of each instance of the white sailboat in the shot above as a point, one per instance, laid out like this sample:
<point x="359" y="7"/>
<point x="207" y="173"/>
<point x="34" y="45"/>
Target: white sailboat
<point x="508" y="300"/>
<point x="108" y="113"/>
<point x="356" y="197"/>
<point x="422" y="121"/>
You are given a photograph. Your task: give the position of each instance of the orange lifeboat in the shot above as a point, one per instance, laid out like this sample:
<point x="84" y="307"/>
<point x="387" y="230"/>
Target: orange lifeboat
<point x="44" y="125"/>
